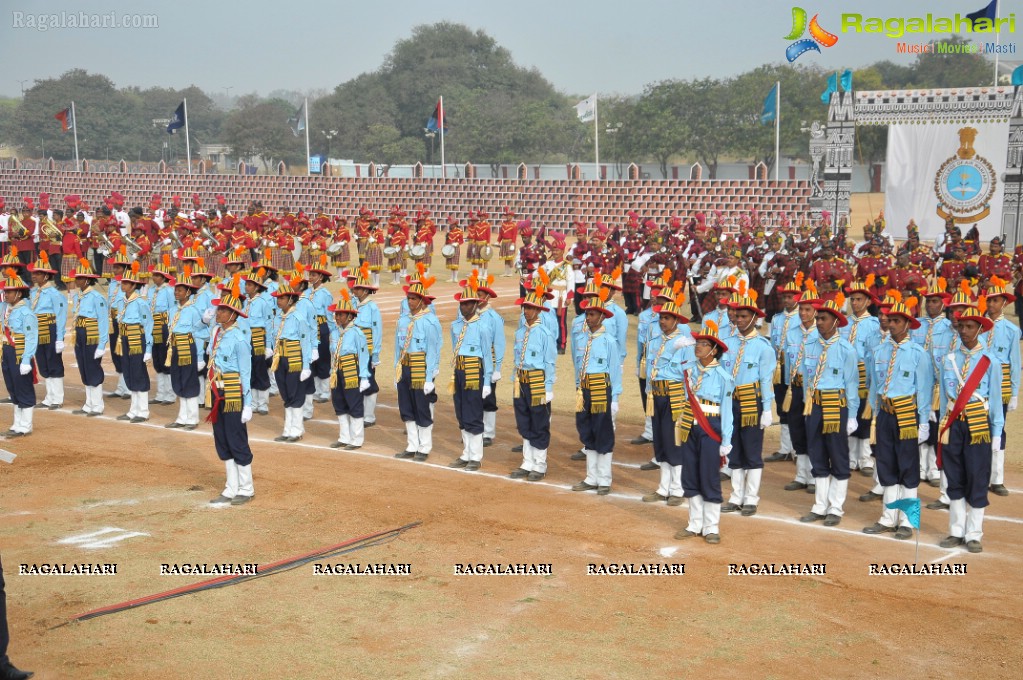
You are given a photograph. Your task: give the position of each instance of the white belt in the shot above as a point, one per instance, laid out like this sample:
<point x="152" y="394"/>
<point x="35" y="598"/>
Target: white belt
<point x="710" y="410"/>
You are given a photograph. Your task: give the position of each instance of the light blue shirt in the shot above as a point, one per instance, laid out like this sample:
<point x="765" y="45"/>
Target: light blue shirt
<point x="1003" y="343"/>
<point x="716" y="386"/>
<point x="352" y="342"/>
<point x="989" y="390"/>
<point x="757" y="365"/>
<point x="92" y="305"/>
<point x="234" y="355"/>
<point x="136" y="311"/>
<point x="645" y="328"/>
<point x="496" y="323"/>
<point x="48" y="300"/>
<point x="369" y="317"/>
<point x="781" y="324"/>
<point x="618" y="325"/>
<point x="540" y="353"/>
<point x="477" y="341"/>
<point x="670" y="363"/>
<point x="840" y="371"/>
<point x="798" y="336"/>
<point x="604" y="357"/>
<point x="188" y="319"/>
<point x="426" y="337"/>
<point x="22" y="321"/>
<point x="293" y="327"/>
<point x="911" y="374"/>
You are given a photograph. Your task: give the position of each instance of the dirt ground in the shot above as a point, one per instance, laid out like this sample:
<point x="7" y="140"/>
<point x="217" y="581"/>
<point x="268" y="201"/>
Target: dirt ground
<point x="149" y="487"/>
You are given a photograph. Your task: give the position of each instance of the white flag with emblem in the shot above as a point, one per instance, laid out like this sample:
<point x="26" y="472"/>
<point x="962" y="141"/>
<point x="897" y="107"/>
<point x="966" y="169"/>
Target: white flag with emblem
<point x="587" y="108"/>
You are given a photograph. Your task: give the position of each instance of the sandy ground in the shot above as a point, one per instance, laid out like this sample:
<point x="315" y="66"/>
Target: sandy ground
<point x="76" y="476"/>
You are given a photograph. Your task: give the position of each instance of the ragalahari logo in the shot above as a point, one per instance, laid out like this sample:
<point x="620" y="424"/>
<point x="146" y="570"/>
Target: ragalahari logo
<point x="818" y="36"/>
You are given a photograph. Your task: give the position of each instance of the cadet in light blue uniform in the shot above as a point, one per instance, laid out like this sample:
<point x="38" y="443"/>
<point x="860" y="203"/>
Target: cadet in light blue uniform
<point x="371" y="324"/>
<point x="533" y="356"/>
<point x="135" y="337"/>
<point x="781" y="324"/>
<point x="472" y="341"/>
<point x="260" y="311"/>
<point x="863" y="333"/>
<point x="50" y="308"/>
<point x="161" y="303"/>
<point x="293" y="351"/>
<point x="115" y="302"/>
<point x="417" y="344"/>
<point x="598" y="383"/>
<point x="321" y="299"/>
<point x="496" y="322"/>
<point x="901" y="384"/>
<point x="831" y="384"/>
<point x="1002" y="342"/>
<point x="705" y="445"/>
<point x="795" y="344"/>
<point x="934" y="334"/>
<point x="19" y="340"/>
<point x="230" y="373"/>
<point x="91" y="323"/>
<point x="186" y="354"/>
<point x="349" y="361"/>
<point x="966" y="459"/>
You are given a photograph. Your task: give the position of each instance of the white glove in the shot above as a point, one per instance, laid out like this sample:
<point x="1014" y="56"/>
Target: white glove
<point x="304" y="375"/>
<point x="1013" y="403"/>
<point x="269" y="353"/>
<point x="207" y="316"/>
<point x="375" y="364"/>
<point x="98" y="354"/>
<point x="363" y="385"/>
<point x="166" y="242"/>
<point x="933" y="418"/>
<point x="684" y="341"/>
<point x="25" y="369"/>
<point x="246" y="414"/>
<point x="59" y="346"/>
<point x="923" y="432"/>
<point x="147" y="357"/>
<point x="614" y="408"/>
<point x="486" y="391"/>
<point x="201" y="365"/>
<point x="549" y="397"/>
<point x="495" y="376"/>
<point x="766" y="419"/>
<point x="637" y="372"/>
<point x="315" y="356"/>
<point x="724" y="450"/>
<point x="851" y="425"/>
<point x="206" y="243"/>
<point x="428" y="388"/>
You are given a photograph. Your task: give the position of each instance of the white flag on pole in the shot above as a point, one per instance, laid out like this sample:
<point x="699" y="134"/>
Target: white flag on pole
<point x="587" y="108"/>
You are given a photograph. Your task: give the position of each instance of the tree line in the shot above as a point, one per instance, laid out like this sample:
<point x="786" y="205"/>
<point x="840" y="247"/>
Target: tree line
<point x="496" y="112"/>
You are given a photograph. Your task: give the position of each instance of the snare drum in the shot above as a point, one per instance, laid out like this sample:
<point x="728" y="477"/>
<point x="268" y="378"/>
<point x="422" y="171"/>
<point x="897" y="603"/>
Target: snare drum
<point x="449" y="250"/>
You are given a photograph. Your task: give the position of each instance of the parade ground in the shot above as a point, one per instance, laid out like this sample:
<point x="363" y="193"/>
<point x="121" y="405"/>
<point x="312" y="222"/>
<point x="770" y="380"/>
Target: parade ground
<point x="98" y="491"/>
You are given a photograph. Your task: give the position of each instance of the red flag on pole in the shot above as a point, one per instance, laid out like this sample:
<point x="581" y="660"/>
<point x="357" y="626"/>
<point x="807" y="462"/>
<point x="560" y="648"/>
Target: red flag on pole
<point x="66" y="119"/>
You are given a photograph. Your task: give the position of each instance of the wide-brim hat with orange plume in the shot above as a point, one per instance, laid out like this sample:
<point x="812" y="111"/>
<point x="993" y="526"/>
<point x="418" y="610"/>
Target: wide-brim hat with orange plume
<point x="939" y="288"/>
<point x="834" y="308"/>
<point x="538" y="286"/>
<point x="120" y="257"/>
<point x="420" y="284"/>
<point x="663" y="279"/>
<point x="669" y="293"/>
<point x="486" y="285"/>
<point x="963" y="297"/>
<point x="164" y="269"/>
<point x="891" y="297"/>
<point x="133" y="275"/>
<point x="611" y="280"/>
<point x="863" y="287"/>
<point x="84" y="270"/>
<point x="12" y="281"/>
<point x="977" y="314"/>
<point x="267" y="261"/>
<point x="11" y="259"/>
<point x="592" y="287"/>
<point x="199" y="268"/>
<point x="746" y="298"/>
<point x="709" y="332"/>
<point x="258" y="277"/>
<point x="232" y="299"/>
<point x="794" y="287"/>
<point x="1000" y="288"/>
<point x="535" y="297"/>
<point x="344" y="304"/>
<point x="726" y="286"/>
<point x="470" y="289"/>
<point x="42" y="265"/>
<point x="598" y="303"/>
<point x="186" y="279"/>
<point x="288" y="287"/>
<point x="321" y="266"/>
<point x="361" y="278"/>
<point x="236" y="256"/>
<point x="905" y="311"/>
<point x="674" y="307"/>
<point x="810" y="295"/>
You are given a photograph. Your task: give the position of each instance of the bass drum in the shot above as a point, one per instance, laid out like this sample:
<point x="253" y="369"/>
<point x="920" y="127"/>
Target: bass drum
<point x="417" y="252"/>
<point x="486" y="253"/>
<point x="449" y="250"/>
<point x="390" y="252"/>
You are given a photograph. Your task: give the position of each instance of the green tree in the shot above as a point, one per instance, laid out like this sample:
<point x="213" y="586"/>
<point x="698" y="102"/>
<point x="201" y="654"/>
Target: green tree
<point x="951" y="70"/>
<point x="261" y="129"/>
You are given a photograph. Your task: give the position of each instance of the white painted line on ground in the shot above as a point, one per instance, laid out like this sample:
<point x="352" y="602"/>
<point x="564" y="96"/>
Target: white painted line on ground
<point x="103" y="538"/>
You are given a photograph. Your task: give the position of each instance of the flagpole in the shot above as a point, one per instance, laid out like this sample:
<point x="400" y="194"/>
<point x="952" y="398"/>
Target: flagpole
<point x="998" y="39"/>
<point x="188" y="143"/>
<point x="777" y="129"/>
<point x="307" y="156"/>
<point x="440" y="124"/>
<point x="596" y="137"/>
<point x="74" y="128"/>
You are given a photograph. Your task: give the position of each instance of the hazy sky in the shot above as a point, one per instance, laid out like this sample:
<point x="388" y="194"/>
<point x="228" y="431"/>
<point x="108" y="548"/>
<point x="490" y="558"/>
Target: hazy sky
<point x="582" y="47"/>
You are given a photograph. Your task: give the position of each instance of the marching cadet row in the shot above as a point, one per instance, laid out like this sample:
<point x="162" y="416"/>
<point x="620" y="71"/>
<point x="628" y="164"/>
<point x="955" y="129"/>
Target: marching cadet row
<point x="826" y="379"/>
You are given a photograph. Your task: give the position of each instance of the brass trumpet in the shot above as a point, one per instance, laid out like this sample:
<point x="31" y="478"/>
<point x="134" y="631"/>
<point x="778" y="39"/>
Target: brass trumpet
<point x="16" y="228"/>
<point x="51" y="231"/>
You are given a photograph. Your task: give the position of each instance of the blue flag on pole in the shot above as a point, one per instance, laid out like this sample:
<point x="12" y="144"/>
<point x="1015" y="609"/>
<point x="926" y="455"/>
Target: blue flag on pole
<point x="832" y="87"/>
<point x="846" y="80"/>
<point x="989" y="12"/>
<point x="1017" y="76"/>
<point x="910" y="506"/>
<point x="770" y="106"/>
<point x="178" y="121"/>
<point x="437" y="120"/>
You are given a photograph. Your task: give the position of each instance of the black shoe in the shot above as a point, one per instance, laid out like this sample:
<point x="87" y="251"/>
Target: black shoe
<point x="903" y="533"/>
<point x="369" y="424"/>
<point x="974" y="546"/>
<point x="603" y="490"/>
<point x="6" y="400"/>
<point x="519" y="473"/>
<point x="561" y="350"/>
<point x="878" y="528"/>
<point x="649" y="465"/>
<point x="352" y="447"/>
<point x="337" y="445"/>
<point x="262" y="413"/>
<point x="951" y="542"/>
<point x="778" y="456"/>
<point x="54" y="407"/>
<point x="832" y="520"/>
<point x="937" y="505"/>
<point x="730" y="507"/>
<point x="79" y="412"/>
<point x="713" y="539"/>
<point x="996" y="489"/>
<point x="517" y="449"/>
<point x="583" y="486"/>
<point x="241" y="500"/>
<point x="794" y="486"/>
<point x="174" y="425"/>
<point x="811" y="488"/>
<point x="458" y="463"/>
<point x="321" y="400"/>
<point x="9" y="672"/>
<point x="138" y="419"/>
<point x="870" y="496"/>
<point x="748" y="510"/>
<point x="188" y="428"/>
<point x="488" y="442"/>
<point x="641" y="440"/>
<point x="578" y="455"/>
<point x="472" y="466"/>
<point x="405" y="455"/>
<point x="93" y="415"/>
<point x="725" y="477"/>
<point x="936" y="483"/>
<point x="867" y="472"/>
<point x="535" y="476"/>
<point x="420" y="457"/>
<point x="811" y="517"/>
<point x="282" y="438"/>
<point x="124" y="417"/>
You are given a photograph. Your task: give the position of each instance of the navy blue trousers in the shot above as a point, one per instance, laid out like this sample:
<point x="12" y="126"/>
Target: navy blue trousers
<point x="90" y="369"/>
<point x="321" y="367"/>
<point x="19" y="387"/>
<point x="967" y="466"/>
<point x="747" y="442"/>
<point x="260" y="376"/>
<point x="779" y="398"/>
<point x="414" y="405"/>
<point x="291" y="388"/>
<point x="373" y="386"/>
<point x="160" y="350"/>
<point x="185" y="379"/>
<point x="532" y="422"/>
<point x="468" y="404"/>
<point x="596" y="430"/>
<point x="490" y="403"/>
<point x="862" y="424"/>
<point x="897" y="460"/>
<point x="5" y="636"/>
<point x="797" y="422"/>
<point x="665" y="450"/>
<point x="231" y="437"/>
<point x="829" y="453"/>
<point x="49" y="363"/>
<point x="701" y="463"/>
<point x="136" y="377"/>
<point x="346" y="401"/>
<point x="115" y="339"/>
